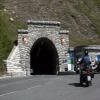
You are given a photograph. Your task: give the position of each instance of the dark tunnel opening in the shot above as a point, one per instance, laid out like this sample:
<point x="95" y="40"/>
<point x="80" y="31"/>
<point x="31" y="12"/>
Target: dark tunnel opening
<point x="44" y="57"/>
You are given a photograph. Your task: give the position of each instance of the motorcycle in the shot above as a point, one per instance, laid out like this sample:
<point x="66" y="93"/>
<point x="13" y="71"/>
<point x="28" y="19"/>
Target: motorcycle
<point x="86" y="77"/>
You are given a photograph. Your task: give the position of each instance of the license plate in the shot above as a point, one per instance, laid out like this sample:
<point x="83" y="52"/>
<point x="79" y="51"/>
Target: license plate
<point x="89" y="78"/>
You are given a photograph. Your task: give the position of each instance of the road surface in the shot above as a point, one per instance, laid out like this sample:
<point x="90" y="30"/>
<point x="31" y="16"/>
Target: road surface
<point x="49" y="87"/>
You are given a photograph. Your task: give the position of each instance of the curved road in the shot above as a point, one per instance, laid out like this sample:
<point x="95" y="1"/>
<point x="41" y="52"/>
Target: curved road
<point x="49" y="87"/>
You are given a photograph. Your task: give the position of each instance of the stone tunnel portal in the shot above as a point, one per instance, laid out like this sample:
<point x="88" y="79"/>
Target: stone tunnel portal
<point x="44" y="57"/>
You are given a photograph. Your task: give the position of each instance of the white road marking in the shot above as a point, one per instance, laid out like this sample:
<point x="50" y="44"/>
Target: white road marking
<point x="28" y="88"/>
<point x="19" y="90"/>
<point x="21" y="81"/>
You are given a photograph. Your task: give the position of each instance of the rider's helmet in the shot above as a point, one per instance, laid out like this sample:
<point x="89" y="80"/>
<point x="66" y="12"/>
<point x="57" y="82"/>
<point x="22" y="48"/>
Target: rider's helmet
<point x="86" y="52"/>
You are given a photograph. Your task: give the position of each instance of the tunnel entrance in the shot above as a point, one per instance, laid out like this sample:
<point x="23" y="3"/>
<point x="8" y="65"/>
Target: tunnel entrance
<point x="44" y="57"/>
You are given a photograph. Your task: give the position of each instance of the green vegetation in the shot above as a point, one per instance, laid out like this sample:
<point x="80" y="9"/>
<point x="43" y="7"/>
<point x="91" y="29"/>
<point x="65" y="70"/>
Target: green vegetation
<point x="8" y="34"/>
<point x="97" y="2"/>
<point x="91" y="8"/>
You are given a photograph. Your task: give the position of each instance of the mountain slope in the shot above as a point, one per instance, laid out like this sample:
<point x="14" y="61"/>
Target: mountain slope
<point x="8" y="34"/>
<point x="81" y="17"/>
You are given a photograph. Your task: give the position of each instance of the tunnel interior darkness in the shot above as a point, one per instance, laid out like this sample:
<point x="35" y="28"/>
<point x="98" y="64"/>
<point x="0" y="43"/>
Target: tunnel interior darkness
<point x="43" y="57"/>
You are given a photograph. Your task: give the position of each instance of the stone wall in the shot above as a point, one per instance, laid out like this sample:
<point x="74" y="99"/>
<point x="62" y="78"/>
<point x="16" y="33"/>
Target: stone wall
<point x="38" y="29"/>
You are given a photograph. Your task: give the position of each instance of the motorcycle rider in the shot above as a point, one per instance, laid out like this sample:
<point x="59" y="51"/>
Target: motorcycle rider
<point x="85" y="63"/>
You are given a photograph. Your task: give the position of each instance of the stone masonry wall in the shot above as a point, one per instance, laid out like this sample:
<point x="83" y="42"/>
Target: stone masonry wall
<point x="39" y="29"/>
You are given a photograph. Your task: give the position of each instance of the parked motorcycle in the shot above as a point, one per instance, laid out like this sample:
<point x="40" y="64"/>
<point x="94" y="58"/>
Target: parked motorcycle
<point x="86" y="77"/>
<point x="97" y="69"/>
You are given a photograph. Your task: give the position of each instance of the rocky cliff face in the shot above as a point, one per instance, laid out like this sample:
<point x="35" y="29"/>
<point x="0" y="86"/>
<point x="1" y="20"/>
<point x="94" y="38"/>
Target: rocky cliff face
<point x="80" y="17"/>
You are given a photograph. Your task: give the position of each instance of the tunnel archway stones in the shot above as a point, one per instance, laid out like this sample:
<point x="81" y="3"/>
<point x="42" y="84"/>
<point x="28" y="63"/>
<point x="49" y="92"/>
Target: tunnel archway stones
<point x="40" y="29"/>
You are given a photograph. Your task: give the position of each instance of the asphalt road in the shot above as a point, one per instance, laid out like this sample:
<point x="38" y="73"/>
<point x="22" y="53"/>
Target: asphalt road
<point x="50" y="87"/>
